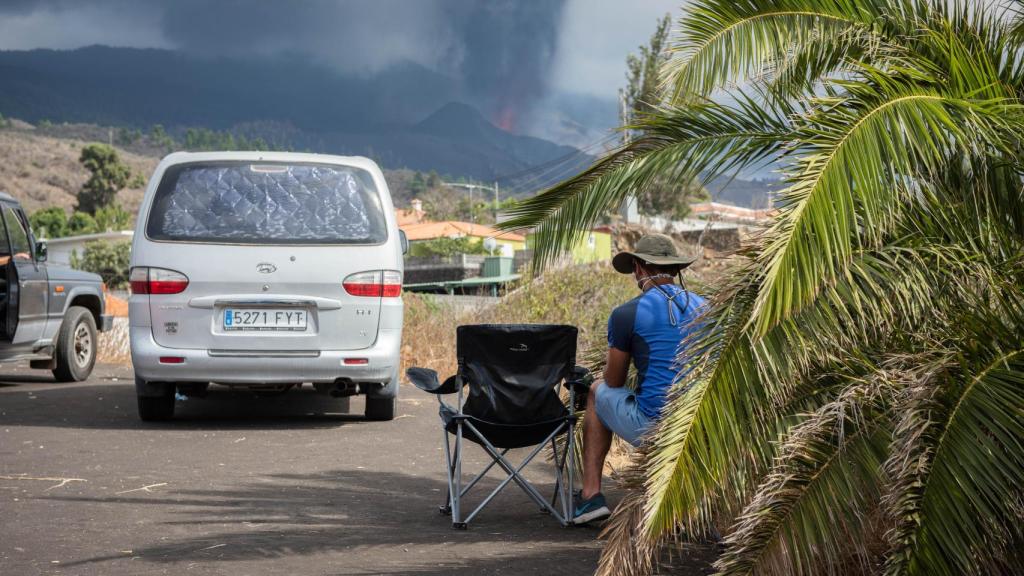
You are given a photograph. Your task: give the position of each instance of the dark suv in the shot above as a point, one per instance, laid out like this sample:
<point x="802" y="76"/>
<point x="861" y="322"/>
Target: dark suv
<point x="48" y="314"/>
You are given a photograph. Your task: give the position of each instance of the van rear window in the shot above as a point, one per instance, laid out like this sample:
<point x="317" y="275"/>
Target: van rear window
<point x="267" y="203"/>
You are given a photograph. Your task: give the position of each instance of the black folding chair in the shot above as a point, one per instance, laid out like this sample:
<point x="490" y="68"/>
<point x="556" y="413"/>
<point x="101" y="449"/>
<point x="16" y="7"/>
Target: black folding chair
<point x="513" y="372"/>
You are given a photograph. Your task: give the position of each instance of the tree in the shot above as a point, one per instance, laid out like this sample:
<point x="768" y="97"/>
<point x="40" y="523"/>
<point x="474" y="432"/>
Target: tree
<point x="108" y="259"/>
<point x="671" y="198"/>
<point x="444" y="203"/>
<point x="49" y="222"/>
<point x="81" y="223"/>
<point x="643" y="95"/>
<point x="128" y="136"/>
<point x="852" y="399"/>
<point x="112" y="218"/>
<point x="159" y="137"/>
<point x="108" y="175"/>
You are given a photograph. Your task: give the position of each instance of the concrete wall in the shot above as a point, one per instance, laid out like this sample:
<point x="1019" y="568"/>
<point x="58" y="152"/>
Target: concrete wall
<point x="439" y="269"/>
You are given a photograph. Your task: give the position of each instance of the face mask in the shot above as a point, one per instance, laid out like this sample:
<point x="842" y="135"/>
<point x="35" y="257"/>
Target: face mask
<point x="671" y="302"/>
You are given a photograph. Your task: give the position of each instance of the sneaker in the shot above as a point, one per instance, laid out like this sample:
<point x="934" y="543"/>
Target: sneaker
<point x="589" y="510"/>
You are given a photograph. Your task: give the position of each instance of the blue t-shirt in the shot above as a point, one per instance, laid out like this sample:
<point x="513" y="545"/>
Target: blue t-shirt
<point x="643" y="328"/>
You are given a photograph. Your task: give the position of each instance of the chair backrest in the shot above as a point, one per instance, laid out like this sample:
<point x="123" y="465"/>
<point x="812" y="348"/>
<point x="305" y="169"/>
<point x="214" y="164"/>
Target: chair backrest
<point x="513" y="370"/>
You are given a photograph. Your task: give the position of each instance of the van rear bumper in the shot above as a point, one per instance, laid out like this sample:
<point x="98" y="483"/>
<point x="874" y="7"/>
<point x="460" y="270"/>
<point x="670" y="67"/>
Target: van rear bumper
<point x="249" y="368"/>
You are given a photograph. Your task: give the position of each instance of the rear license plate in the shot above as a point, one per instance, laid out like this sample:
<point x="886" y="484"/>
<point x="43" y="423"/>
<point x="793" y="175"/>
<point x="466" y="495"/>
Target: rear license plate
<point x="268" y="319"/>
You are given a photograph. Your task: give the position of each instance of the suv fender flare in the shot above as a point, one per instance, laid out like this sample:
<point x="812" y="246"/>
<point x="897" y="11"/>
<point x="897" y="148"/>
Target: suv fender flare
<point x="88" y="297"/>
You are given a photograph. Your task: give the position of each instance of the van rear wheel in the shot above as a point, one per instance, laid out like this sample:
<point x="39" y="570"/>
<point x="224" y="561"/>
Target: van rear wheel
<point x="158" y="408"/>
<point x="380" y="409"/>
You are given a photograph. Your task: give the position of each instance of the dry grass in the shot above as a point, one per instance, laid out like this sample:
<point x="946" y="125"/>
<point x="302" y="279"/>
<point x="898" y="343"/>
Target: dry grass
<point x="42" y="171"/>
<point x="583" y="296"/>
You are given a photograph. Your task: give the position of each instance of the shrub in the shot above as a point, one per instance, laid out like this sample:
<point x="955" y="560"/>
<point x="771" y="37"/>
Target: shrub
<point x="447" y="247"/>
<point x="49" y="222"/>
<point x="108" y="259"/>
<point x="81" y="223"/>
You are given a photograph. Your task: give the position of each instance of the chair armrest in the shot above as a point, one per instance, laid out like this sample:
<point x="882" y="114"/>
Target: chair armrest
<point x="426" y="379"/>
<point x="579" y="380"/>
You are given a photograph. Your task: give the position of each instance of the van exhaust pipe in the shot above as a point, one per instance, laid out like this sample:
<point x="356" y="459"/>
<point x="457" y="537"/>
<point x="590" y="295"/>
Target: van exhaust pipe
<point x="340" y="388"/>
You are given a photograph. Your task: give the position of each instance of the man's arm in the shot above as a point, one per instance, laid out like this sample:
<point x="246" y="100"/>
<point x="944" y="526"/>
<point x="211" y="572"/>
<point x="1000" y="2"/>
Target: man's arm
<point x="616" y="367"/>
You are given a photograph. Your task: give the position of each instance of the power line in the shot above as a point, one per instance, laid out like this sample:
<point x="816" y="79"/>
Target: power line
<point x="559" y="160"/>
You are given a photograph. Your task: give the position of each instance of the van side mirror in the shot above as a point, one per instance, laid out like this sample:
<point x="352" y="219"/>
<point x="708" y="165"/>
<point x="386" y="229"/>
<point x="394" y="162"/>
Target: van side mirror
<point x="405" y="241"/>
<point x="41" y="251"/>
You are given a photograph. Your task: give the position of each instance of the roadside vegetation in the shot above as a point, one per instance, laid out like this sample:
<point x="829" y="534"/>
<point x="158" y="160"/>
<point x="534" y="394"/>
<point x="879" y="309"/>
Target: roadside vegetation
<point x="855" y="398"/>
<point x="583" y="296"/>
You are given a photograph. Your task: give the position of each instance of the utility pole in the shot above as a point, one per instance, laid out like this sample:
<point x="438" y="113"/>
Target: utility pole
<point x="628" y="209"/>
<point x="497" y="202"/>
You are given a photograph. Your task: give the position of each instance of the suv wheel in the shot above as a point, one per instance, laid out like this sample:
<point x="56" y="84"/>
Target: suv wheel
<point x="380" y="408"/>
<point x="158" y="408"/>
<point x="75" y="353"/>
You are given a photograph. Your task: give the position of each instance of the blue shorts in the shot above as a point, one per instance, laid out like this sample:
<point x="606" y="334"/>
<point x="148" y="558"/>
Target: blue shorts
<point x="618" y="411"/>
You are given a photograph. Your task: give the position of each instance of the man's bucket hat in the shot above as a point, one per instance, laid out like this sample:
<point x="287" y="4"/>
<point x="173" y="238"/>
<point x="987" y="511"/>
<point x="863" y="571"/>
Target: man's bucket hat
<point x="657" y="249"/>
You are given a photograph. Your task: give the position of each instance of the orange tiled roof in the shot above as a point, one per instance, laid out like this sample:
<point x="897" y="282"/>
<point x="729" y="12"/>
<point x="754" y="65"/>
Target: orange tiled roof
<point x="454" y="228"/>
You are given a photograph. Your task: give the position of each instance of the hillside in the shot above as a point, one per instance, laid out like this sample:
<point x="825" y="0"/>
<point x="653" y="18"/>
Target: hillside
<point x="43" y="171"/>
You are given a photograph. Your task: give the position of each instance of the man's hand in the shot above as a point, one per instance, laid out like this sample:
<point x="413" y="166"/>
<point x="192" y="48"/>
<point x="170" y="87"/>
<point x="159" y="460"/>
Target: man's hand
<point x="616" y="367"/>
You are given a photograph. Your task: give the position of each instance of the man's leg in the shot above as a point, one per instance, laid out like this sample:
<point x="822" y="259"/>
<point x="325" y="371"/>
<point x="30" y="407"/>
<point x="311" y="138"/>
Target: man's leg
<point x="597" y="440"/>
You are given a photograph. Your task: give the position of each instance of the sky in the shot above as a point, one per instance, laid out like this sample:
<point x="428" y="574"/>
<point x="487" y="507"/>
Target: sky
<point x="545" y="46"/>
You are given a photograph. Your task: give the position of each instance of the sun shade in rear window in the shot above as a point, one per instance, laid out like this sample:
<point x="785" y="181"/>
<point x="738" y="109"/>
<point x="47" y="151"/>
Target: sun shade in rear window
<point x="267" y="203"/>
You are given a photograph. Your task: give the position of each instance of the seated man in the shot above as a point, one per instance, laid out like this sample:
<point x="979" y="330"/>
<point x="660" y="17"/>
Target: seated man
<point x="647" y="330"/>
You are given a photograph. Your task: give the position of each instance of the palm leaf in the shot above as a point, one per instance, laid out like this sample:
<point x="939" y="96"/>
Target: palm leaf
<point x="843" y="183"/>
<point x="958" y="468"/>
<point x="808" y="513"/>
<point x="699" y="142"/>
<point x="722" y="41"/>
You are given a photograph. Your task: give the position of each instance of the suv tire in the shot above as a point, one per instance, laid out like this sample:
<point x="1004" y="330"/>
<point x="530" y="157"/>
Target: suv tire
<point x="380" y="409"/>
<point x="75" y="353"/>
<point x="158" y="408"/>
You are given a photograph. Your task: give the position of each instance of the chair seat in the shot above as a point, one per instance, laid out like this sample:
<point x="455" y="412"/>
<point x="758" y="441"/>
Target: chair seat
<point x="503" y="435"/>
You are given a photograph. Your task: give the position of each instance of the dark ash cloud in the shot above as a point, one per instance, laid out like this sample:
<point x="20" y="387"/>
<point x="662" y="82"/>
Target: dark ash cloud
<point x="500" y="52"/>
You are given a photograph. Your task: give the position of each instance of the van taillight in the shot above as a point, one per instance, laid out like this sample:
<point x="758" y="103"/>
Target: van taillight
<point x="144" y="280"/>
<point x="374" y="283"/>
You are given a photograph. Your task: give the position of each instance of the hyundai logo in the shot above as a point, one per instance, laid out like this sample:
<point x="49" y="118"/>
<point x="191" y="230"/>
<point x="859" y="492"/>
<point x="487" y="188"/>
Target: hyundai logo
<point x="266" y="268"/>
<point x="521" y="347"/>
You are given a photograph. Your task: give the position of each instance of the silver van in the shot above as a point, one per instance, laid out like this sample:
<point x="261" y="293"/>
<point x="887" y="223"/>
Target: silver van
<point x="266" y="271"/>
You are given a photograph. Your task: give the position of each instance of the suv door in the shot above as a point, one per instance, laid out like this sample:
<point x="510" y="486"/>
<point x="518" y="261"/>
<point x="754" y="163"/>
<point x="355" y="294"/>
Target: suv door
<point x="9" y="283"/>
<point x="32" y="288"/>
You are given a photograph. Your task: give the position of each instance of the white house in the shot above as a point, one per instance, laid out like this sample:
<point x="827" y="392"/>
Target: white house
<point x="59" y="249"/>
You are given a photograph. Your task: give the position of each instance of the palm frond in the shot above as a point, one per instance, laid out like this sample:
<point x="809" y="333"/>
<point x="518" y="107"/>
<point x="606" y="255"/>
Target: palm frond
<point x="808" y="513"/>
<point x="722" y="41"/>
<point x="845" y="181"/>
<point x="700" y="142"/>
<point x="957" y="469"/>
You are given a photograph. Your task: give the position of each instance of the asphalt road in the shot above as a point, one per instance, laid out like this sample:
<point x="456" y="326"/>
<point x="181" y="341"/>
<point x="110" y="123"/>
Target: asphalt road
<point x="242" y="485"/>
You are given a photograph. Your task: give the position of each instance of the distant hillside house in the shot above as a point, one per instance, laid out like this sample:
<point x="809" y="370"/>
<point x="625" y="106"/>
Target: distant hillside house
<point x="729" y="213"/>
<point x="414" y="215"/>
<point x="506" y="243"/>
<point x="594" y="246"/>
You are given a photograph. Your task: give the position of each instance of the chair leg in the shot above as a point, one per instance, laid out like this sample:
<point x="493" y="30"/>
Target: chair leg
<point x="558" y="474"/>
<point x="569" y="463"/>
<point x="456" y="495"/>
<point x="449" y="471"/>
<point x="515" y="476"/>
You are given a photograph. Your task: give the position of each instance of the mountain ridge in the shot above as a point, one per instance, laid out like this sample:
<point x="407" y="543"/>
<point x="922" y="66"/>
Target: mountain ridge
<point x="387" y="115"/>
